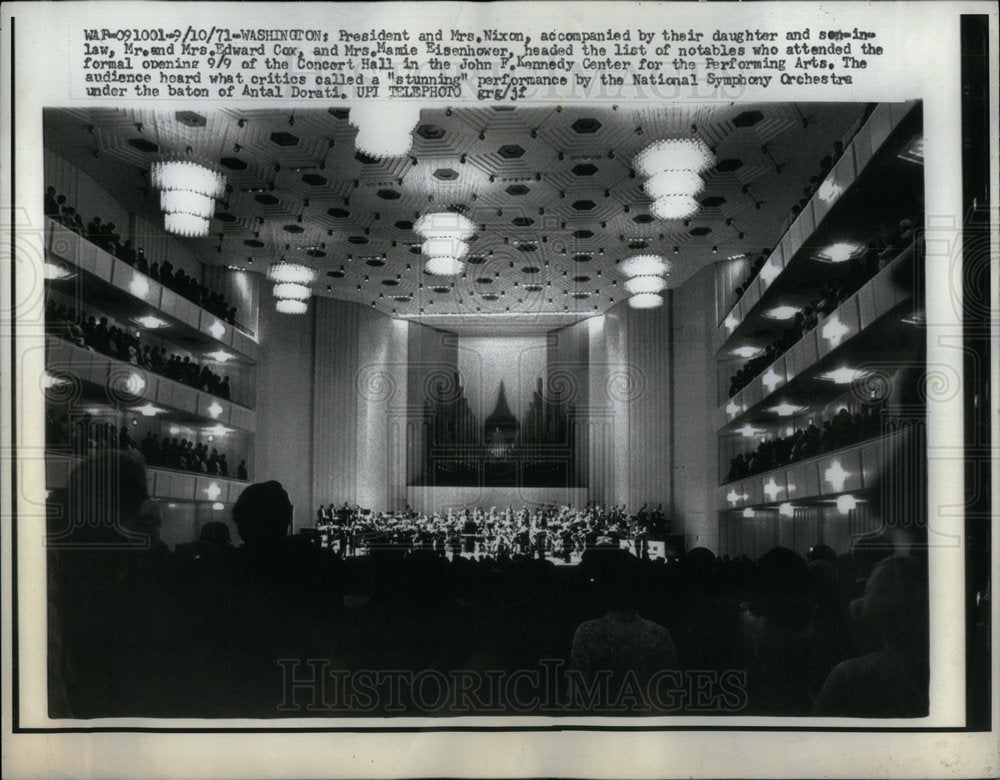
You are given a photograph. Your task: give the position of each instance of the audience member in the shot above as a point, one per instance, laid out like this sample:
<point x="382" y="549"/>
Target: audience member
<point x="892" y="680"/>
<point x="104" y="235"/>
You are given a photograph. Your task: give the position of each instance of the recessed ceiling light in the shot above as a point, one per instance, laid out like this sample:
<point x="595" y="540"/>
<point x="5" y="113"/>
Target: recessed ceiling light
<point x="843" y="376"/>
<point x="786" y="409"/>
<point x="782" y="312"/>
<point x="148" y="410"/>
<point x="840" y="252"/>
<point x="150" y="322"/>
<point x="746" y="351"/>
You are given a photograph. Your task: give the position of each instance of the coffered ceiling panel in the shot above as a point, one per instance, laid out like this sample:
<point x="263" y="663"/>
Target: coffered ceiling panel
<point x="552" y="191"/>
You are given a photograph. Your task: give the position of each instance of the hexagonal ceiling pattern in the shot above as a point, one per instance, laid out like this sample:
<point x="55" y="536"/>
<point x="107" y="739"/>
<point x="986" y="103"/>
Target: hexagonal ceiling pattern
<point x="552" y="190"/>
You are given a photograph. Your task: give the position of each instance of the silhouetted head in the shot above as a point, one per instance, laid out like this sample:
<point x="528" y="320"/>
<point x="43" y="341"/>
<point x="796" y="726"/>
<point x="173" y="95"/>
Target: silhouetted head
<point x="616" y="578"/>
<point x="108" y="500"/>
<point x="822" y="552"/>
<point x="215" y="533"/>
<point x="895" y="602"/>
<point x="784" y="580"/>
<point x="263" y="513"/>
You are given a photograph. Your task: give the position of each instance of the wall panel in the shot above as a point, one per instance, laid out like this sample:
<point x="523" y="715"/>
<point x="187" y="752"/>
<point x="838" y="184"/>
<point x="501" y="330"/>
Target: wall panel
<point x="334" y="449"/>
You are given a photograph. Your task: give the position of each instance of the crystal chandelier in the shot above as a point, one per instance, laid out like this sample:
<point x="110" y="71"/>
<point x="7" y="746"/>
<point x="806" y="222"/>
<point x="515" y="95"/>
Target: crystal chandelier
<point x="674" y="154"/>
<point x="188" y="192"/>
<point x="444" y="234"/>
<point x="445" y="224"/>
<point x="674" y="182"/>
<point x="292" y="291"/>
<point x="289" y="306"/>
<point x="645" y="301"/>
<point x="645" y="280"/>
<point x="384" y="129"/>
<point x="292" y="286"/>
<point x="644" y="265"/>
<point x="444" y="266"/>
<point x="674" y="207"/>
<point x="293" y="273"/>
<point x="445" y="247"/>
<point x="672" y="169"/>
<point x="645" y="284"/>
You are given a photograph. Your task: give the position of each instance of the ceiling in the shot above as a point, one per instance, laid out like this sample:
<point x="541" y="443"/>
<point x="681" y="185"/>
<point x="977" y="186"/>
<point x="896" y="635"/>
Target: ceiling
<point x="551" y="189"/>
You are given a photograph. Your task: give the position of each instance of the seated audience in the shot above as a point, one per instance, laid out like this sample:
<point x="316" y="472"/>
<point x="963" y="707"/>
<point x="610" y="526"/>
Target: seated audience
<point x="891" y="681"/>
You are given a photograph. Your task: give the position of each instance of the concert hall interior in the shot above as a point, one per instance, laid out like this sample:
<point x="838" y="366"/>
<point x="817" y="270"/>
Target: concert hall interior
<point x="477" y="346"/>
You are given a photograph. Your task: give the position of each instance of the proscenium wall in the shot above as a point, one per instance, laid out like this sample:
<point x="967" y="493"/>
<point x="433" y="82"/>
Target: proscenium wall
<point x="338" y="420"/>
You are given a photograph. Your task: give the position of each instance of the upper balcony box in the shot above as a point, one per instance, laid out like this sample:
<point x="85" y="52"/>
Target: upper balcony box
<point x="133" y="286"/>
<point x="872" y="183"/>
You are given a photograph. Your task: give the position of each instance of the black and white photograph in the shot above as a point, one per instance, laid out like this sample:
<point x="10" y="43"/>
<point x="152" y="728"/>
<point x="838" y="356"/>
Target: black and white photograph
<point x="466" y="403"/>
<point x="482" y="410"/>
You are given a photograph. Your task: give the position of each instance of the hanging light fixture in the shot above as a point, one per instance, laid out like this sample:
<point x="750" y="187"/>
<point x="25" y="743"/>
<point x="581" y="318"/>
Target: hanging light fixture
<point x="445" y="247"/>
<point x="188" y="192"/>
<point x="188" y="176"/>
<point x="289" y="306"/>
<point x="292" y="291"/>
<point x="444" y="266"/>
<point x="645" y="280"/>
<point x="690" y="154"/>
<point x="674" y="182"/>
<point x="384" y="129"/>
<point x="672" y="169"/>
<point x="445" y="224"/>
<point x="644" y="265"/>
<point x="186" y="202"/>
<point x="188" y="225"/>
<point x="293" y="273"/>
<point x="444" y="234"/>
<point x="645" y="284"/>
<point x="674" y="207"/>
<point x="292" y="285"/>
<point x="645" y="301"/>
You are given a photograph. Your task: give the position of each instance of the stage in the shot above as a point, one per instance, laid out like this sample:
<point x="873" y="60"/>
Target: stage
<point x="431" y="499"/>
